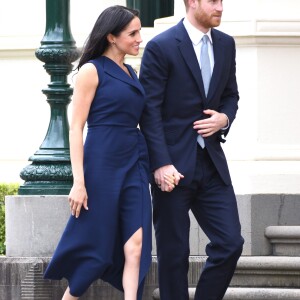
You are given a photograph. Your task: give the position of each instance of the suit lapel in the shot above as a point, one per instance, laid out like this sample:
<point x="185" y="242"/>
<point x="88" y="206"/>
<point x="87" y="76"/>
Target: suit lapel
<point x="186" y="48"/>
<point x="111" y="68"/>
<point x="219" y="62"/>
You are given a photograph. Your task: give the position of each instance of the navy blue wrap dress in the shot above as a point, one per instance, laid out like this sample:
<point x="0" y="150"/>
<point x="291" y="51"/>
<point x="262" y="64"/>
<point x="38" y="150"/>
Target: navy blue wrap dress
<point x="116" y="171"/>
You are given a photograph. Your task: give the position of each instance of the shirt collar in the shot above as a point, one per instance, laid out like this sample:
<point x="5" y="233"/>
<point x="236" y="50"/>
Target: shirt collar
<point x="194" y="33"/>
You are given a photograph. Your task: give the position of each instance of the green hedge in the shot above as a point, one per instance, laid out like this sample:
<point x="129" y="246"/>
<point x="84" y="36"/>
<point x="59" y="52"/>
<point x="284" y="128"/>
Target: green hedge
<point x="5" y="190"/>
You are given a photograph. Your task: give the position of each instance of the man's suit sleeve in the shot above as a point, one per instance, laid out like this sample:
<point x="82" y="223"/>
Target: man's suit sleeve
<point x="230" y="95"/>
<point x="154" y="77"/>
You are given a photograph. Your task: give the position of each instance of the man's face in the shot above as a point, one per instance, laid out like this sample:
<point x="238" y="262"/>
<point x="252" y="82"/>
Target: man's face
<point x="208" y="13"/>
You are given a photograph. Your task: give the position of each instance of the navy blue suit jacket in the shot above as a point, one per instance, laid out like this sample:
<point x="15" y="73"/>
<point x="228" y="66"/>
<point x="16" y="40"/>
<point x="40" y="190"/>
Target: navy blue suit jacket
<point x="171" y="77"/>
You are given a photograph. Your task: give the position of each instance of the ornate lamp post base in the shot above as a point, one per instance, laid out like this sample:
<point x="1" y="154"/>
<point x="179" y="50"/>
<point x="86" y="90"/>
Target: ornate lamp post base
<point x="46" y="179"/>
<point x="50" y="172"/>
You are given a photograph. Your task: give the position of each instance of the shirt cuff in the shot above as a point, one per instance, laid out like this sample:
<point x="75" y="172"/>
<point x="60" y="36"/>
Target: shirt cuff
<point x="227" y="126"/>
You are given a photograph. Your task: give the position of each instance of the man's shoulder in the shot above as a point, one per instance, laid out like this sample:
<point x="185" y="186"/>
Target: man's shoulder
<point x="221" y="34"/>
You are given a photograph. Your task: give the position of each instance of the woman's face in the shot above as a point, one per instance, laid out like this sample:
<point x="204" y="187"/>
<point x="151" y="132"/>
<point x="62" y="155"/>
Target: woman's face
<point x="128" y="41"/>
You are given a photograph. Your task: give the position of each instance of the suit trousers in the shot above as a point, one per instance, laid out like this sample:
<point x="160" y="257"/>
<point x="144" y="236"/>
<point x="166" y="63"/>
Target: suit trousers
<point x="214" y="206"/>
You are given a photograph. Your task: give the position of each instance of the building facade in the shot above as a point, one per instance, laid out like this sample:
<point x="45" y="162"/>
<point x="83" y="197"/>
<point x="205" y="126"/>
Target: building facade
<point x="263" y="147"/>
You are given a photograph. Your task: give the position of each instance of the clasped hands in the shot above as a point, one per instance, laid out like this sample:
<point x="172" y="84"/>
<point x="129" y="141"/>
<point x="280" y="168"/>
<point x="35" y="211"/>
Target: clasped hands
<point x="167" y="177"/>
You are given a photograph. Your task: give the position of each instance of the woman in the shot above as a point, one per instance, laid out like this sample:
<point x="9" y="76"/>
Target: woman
<point x="108" y="235"/>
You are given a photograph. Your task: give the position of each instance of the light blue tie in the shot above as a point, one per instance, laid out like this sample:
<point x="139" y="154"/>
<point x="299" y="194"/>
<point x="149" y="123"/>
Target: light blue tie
<point x="206" y="75"/>
<point x="205" y="64"/>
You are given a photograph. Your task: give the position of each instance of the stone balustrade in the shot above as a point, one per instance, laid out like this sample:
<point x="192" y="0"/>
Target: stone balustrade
<point x="285" y="240"/>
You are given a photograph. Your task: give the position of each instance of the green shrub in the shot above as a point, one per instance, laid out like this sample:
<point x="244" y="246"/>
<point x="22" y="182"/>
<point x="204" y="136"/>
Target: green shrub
<point x="5" y="190"/>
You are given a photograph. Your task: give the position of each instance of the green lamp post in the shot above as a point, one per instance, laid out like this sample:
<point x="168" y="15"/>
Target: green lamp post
<point x="50" y="171"/>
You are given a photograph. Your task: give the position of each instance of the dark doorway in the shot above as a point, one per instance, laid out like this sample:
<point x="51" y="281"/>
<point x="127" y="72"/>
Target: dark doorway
<point x="152" y="9"/>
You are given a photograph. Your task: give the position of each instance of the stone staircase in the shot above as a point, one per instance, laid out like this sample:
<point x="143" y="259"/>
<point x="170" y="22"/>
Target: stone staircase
<point x="272" y="277"/>
<point x="275" y="277"/>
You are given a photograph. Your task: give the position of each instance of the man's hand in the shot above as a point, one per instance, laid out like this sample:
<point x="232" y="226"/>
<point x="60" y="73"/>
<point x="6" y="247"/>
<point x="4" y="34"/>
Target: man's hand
<point x="211" y="125"/>
<point x="167" y="177"/>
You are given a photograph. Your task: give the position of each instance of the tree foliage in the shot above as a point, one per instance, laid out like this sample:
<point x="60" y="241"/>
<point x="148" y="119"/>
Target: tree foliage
<point x="6" y="189"/>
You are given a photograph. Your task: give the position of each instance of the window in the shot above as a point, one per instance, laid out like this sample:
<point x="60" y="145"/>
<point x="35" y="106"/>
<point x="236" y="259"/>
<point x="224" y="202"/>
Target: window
<point x="152" y="9"/>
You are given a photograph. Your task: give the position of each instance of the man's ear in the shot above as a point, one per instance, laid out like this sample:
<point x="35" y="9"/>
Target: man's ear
<point x="192" y="3"/>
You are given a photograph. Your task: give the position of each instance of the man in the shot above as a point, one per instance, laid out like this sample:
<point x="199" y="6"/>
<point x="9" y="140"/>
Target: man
<point x="184" y="122"/>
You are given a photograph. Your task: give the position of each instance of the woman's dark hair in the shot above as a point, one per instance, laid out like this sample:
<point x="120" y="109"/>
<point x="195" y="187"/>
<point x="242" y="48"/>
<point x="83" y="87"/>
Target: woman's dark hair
<point x="112" y="20"/>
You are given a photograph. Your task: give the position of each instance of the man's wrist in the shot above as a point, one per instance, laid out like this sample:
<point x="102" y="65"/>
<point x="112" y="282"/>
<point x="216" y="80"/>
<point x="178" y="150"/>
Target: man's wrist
<point x="227" y="125"/>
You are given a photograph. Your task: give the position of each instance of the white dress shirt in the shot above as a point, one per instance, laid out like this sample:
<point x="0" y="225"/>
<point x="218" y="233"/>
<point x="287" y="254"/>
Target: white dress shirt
<point x="196" y="38"/>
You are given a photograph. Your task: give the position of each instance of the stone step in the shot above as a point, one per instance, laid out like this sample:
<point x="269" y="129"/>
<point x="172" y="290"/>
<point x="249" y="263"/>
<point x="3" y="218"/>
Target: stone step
<point x="250" y="294"/>
<point x="285" y="240"/>
<point x="267" y="271"/>
<point x="262" y="294"/>
<point x="23" y="277"/>
<point x="253" y="271"/>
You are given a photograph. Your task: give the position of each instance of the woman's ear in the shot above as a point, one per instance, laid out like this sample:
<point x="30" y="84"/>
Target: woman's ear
<point x="111" y="38"/>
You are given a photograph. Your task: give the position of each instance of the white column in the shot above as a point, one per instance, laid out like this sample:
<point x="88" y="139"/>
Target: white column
<point x="263" y="147"/>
